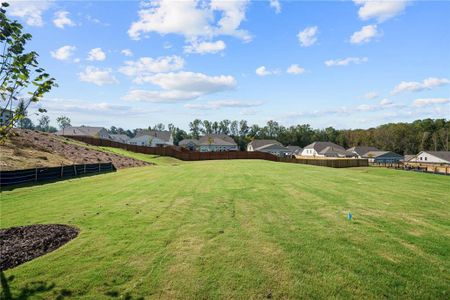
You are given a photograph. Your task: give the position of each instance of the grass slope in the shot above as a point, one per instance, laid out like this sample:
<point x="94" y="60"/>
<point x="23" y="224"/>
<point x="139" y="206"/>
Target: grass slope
<point x="156" y="159"/>
<point x="239" y="229"/>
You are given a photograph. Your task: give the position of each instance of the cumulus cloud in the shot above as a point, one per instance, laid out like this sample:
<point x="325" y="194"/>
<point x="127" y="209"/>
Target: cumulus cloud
<point x="126" y="52"/>
<point x="386" y="102"/>
<point x="63" y="53"/>
<point x="97" y="76"/>
<point x="30" y="11"/>
<point x="295" y="69"/>
<point x="62" y="19"/>
<point x="205" y="47"/>
<point x="191" y="18"/>
<point x="275" y="4"/>
<point x="430" y="101"/>
<point x="262" y="71"/>
<point x="365" y="35"/>
<point x="96" y="54"/>
<point x="346" y="61"/>
<point x="308" y="36"/>
<point x="414" y="86"/>
<point x="371" y="95"/>
<point x="146" y="65"/>
<point x="181" y="86"/>
<point x="222" y="104"/>
<point x="381" y="10"/>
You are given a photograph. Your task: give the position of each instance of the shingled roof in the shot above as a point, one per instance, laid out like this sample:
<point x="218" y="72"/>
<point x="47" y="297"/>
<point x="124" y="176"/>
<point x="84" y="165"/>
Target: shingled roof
<point x="445" y="155"/>
<point x="256" y="144"/>
<point x="162" y="135"/>
<point x="361" y="150"/>
<point x="80" y="131"/>
<point x="217" y="139"/>
<point x="319" y="146"/>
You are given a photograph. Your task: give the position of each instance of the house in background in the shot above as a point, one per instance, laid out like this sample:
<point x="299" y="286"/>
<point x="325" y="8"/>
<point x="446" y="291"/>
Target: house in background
<point x="269" y="146"/>
<point x="5" y="116"/>
<point x="216" y="143"/>
<point x="360" y="151"/>
<point x="326" y="150"/>
<point x="152" y="138"/>
<point x="295" y="150"/>
<point x="383" y="157"/>
<point x="189" y="144"/>
<point x="432" y="157"/>
<point x="95" y="132"/>
<point x="121" y="138"/>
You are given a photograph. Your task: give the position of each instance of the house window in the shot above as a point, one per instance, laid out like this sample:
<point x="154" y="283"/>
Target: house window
<point x="425" y="158"/>
<point x="421" y="158"/>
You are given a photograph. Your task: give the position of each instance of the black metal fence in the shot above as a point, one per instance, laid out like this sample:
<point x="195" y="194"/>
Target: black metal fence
<point x="9" y="178"/>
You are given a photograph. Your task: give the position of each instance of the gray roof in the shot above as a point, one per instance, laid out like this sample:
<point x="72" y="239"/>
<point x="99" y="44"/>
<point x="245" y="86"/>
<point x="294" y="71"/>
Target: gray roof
<point x="361" y="150"/>
<point x="119" y="137"/>
<point x="409" y="157"/>
<point x="187" y="141"/>
<point x="217" y="139"/>
<point x="256" y="144"/>
<point x="445" y="155"/>
<point x="372" y="154"/>
<point x="80" y="131"/>
<point x="296" y="150"/>
<point x="162" y="135"/>
<point x="319" y="146"/>
<point x="273" y="147"/>
<point x="336" y="152"/>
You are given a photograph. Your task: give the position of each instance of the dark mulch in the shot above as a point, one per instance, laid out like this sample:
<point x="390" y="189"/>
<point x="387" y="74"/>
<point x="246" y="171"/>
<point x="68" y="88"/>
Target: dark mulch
<point x="24" y="243"/>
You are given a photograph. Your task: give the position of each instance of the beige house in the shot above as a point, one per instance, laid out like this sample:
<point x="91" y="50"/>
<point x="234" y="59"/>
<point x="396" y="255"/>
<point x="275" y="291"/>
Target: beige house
<point x="152" y="138"/>
<point x="96" y="132"/>
<point x="432" y="157"/>
<point x="269" y="146"/>
<point x="216" y="143"/>
<point x="326" y="150"/>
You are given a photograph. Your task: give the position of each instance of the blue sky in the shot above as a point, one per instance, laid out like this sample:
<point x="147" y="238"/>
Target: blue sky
<point x="346" y="64"/>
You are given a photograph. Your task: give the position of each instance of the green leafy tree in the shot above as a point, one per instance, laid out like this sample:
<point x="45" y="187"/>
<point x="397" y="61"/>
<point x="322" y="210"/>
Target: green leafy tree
<point x="63" y="122"/>
<point x="21" y="78"/>
<point x="44" y="124"/>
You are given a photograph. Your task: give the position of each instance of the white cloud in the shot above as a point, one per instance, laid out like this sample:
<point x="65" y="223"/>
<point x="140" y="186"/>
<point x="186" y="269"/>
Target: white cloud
<point x="62" y="19"/>
<point x="262" y="71"/>
<point x="381" y="10"/>
<point x="430" y="101"/>
<point x="223" y="104"/>
<point x="295" y="69"/>
<point x="308" y="37"/>
<point x="386" y="102"/>
<point x="365" y="35"/>
<point x="414" y="86"/>
<point x="30" y="11"/>
<point x="181" y="86"/>
<point x="126" y="52"/>
<point x="97" y="76"/>
<point x="63" y="53"/>
<point x="96" y="54"/>
<point x="371" y="95"/>
<point x="191" y="18"/>
<point x="205" y="47"/>
<point x="276" y="5"/>
<point x="346" y="61"/>
<point x="147" y="65"/>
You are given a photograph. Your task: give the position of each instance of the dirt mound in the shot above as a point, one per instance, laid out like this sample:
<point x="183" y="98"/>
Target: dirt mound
<point x="30" y="149"/>
<point x="24" y="243"/>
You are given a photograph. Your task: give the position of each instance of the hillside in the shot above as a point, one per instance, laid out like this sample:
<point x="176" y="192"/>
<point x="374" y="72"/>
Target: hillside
<point x="30" y="149"/>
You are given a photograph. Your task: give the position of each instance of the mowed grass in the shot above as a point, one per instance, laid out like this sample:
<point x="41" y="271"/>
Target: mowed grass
<point x="239" y="230"/>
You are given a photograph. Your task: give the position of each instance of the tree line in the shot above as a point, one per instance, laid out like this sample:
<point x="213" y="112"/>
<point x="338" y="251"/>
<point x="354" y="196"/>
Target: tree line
<point x="402" y="138"/>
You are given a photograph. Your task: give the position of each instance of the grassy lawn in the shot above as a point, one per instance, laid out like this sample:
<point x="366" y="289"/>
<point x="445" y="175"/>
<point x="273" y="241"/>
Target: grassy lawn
<point x="239" y="230"/>
<point x="156" y="159"/>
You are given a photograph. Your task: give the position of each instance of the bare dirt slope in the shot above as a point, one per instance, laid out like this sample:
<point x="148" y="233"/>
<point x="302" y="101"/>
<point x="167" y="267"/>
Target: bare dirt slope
<point x="30" y="149"/>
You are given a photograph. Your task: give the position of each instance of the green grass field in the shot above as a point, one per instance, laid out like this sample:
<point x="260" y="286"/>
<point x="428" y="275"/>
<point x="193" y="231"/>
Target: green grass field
<point x="238" y="230"/>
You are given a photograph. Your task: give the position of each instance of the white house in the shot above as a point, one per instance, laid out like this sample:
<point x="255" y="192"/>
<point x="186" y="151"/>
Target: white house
<point x="432" y="157"/>
<point x="326" y="149"/>
<point x="216" y="143"/>
<point x="96" y="132"/>
<point x="152" y="138"/>
<point x="269" y="146"/>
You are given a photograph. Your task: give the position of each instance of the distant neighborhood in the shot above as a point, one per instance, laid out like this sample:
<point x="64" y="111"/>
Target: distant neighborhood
<point x="223" y="142"/>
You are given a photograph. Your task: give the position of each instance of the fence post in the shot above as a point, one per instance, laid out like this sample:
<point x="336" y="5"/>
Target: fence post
<point x="62" y="170"/>
<point x="75" y="169"/>
<point x="99" y="168"/>
<point x="35" y="174"/>
<point x="84" y="168"/>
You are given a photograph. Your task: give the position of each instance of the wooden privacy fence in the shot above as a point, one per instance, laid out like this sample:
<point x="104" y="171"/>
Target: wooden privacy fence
<point x="9" y="178"/>
<point x="193" y="156"/>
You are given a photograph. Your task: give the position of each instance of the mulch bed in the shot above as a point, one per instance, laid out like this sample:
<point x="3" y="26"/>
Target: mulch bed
<point x="24" y="243"/>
